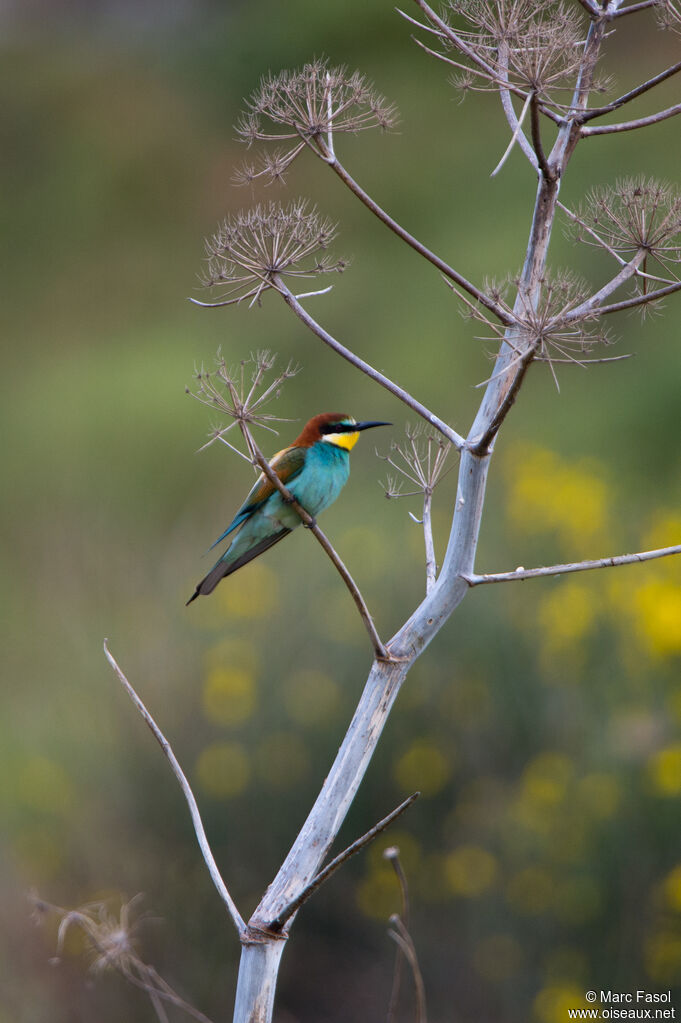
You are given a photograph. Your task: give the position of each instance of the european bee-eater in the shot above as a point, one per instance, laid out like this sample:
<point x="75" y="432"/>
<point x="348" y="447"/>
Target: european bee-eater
<point x="315" y="468"/>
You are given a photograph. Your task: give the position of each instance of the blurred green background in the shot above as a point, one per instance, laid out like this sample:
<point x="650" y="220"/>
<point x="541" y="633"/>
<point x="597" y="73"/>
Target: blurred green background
<point x="543" y="726"/>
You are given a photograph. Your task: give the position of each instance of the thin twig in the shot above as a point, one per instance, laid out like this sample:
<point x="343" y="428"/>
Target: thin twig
<point x="576" y="566"/>
<point x="399" y="392"/>
<point x="393" y="855"/>
<point x="641" y="122"/>
<point x="413" y="242"/>
<point x="627" y="97"/>
<point x="590" y="7"/>
<point x="593" y="304"/>
<point x="516" y="124"/>
<point x="431" y="565"/>
<point x="187" y="793"/>
<point x="632" y="303"/>
<point x="338" y="861"/>
<point x="403" y="938"/>
<point x="547" y="173"/>
<point x="307" y="520"/>
<point x="634" y="8"/>
<point x="585" y="362"/>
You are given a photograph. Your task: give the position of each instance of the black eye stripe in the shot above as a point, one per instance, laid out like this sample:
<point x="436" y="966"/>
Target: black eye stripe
<point x="339" y="428"/>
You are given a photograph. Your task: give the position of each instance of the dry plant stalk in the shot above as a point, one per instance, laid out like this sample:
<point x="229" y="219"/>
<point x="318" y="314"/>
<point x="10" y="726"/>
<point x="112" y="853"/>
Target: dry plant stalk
<point x="545" y="58"/>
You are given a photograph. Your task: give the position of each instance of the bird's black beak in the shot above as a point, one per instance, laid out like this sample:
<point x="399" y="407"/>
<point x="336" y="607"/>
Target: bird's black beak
<point x="368" y="425"/>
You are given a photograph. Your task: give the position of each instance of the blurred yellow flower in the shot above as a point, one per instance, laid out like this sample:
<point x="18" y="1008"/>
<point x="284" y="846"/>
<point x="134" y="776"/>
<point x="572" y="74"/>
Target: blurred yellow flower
<point x="671" y="888"/>
<point x="223" y="770"/>
<point x="378" y="895"/>
<point x="256" y="595"/>
<point x="566" y="615"/>
<point x="549" y="494"/>
<point x="232" y="652"/>
<point x="470" y="871"/>
<point x="229" y="695"/>
<point x="553" y="1002"/>
<point x="664" y="532"/>
<point x="657" y="605"/>
<point x="422" y="768"/>
<point x="664" y="769"/>
<point x="310" y="697"/>
<point x="497" y="957"/>
<point x="546" y="778"/>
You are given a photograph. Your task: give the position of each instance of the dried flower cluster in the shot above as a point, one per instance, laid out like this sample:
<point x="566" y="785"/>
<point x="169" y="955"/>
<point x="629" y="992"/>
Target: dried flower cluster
<point x="546" y="329"/>
<point x="241" y="393"/>
<point x="535" y="47"/>
<point x="110" y="942"/>
<point x="669" y="15"/>
<point x="252" y="248"/>
<point x="636" y="214"/>
<point x="420" y="460"/>
<point x="305" y="106"/>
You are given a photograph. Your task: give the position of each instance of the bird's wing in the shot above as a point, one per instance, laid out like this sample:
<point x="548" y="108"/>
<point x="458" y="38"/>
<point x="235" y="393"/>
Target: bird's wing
<point x="287" y="464"/>
<point x="223" y="568"/>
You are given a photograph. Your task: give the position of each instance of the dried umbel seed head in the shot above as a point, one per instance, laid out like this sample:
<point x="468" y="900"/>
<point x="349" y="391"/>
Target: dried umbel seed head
<point x="254" y="249"/>
<point x="243" y="394"/>
<point x="633" y="215"/>
<point x="419" y="460"/>
<point x="669" y="15"/>
<point x="532" y="46"/>
<point x="306" y="107"/>
<point x="556" y="324"/>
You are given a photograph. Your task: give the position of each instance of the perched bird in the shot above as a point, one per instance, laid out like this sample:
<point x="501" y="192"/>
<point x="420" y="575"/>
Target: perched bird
<point x="314" y="469"/>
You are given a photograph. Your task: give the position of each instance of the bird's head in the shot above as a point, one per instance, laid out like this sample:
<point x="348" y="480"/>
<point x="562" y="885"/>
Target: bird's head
<point x="334" y="428"/>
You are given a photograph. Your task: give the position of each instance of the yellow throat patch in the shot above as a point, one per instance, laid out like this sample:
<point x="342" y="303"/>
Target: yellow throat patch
<point x="343" y="440"/>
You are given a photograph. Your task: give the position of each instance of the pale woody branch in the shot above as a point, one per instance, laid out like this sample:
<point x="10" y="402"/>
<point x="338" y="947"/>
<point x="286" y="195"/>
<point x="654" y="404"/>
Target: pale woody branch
<point x="639" y="300"/>
<point x="592" y="304"/>
<point x="577" y="566"/>
<point x="644" y="5"/>
<point x="201" y="838"/>
<point x="338" y="861"/>
<point x="641" y="122"/>
<point x="632" y="94"/>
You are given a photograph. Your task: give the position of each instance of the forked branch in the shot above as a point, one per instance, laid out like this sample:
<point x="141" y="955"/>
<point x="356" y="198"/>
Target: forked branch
<point x="339" y="860"/>
<point x="627" y="97"/>
<point x="640" y="122"/>
<point x="576" y="566"/>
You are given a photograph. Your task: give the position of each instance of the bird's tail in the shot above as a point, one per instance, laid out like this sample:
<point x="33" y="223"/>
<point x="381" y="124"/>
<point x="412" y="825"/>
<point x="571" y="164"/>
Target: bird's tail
<point x="225" y="566"/>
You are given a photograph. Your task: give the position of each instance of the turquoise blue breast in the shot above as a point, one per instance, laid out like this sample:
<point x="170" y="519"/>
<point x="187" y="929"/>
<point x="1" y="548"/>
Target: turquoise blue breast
<point x="326" y="472"/>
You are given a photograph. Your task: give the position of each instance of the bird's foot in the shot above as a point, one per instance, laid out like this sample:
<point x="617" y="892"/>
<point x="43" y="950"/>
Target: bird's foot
<point x="311" y="524"/>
